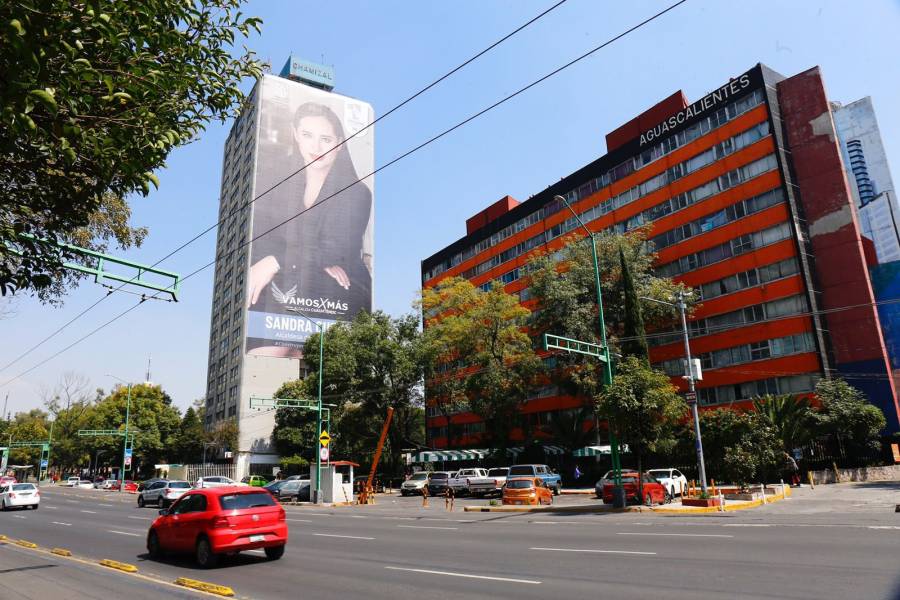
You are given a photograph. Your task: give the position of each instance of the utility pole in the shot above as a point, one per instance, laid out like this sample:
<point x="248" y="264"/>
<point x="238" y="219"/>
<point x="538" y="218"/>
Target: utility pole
<point x="691" y="376"/>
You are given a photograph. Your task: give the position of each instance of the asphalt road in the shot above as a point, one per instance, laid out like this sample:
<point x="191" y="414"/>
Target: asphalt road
<point x="813" y="546"/>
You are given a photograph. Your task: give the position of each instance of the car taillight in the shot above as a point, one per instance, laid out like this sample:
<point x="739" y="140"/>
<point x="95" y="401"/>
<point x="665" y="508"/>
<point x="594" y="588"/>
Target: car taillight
<point x="220" y="522"/>
<point x="281" y="515"/>
<point x="11" y="495"/>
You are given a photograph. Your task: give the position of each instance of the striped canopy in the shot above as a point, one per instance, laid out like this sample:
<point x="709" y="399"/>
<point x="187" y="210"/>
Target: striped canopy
<point x="450" y="455"/>
<point x="597" y="450"/>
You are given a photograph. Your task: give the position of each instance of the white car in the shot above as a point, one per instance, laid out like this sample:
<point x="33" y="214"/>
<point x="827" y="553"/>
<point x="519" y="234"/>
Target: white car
<point x="72" y="481"/>
<point x="163" y="493"/>
<point x="215" y="481"/>
<point x="415" y="484"/>
<point x="85" y="484"/>
<point x="110" y="484"/>
<point x="19" y="494"/>
<point x="671" y="479"/>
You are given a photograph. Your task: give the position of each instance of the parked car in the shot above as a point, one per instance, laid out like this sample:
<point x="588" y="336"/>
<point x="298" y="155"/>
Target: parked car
<point x="163" y="493"/>
<point x="438" y="482"/>
<point x="85" y="484"/>
<point x="527" y="490"/>
<point x="72" y="481"/>
<point x="19" y="494"/>
<point x="671" y="479"/>
<point x="608" y="478"/>
<point x="414" y="485"/>
<point x="98" y="482"/>
<point x="7" y="479"/>
<point x="460" y="480"/>
<point x="492" y="484"/>
<point x="654" y="492"/>
<point x="553" y="480"/>
<point x="274" y="486"/>
<point x="210" y="522"/>
<point x="144" y="484"/>
<point x="130" y="486"/>
<point x="296" y="490"/>
<point x="255" y="480"/>
<point x="214" y="481"/>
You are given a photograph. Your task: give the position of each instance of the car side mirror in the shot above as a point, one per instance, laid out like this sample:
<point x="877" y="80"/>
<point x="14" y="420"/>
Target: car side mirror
<point x="163" y="512"/>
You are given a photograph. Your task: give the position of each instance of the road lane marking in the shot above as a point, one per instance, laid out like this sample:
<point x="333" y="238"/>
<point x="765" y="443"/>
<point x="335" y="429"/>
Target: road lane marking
<point x="124" y="533"/>
<point x="51" y="507"/>
<point x="358" y="517"/>
<point x="141" y="518"/>
<point x="465" y="575"/>
<point x="883" y="527"/>
<point x="425" y="527"/>
<point x="594" y="551"/>
<point x="349" y="537"/>
<point x="712" y="535"/>
<point x="320" y="514"/>
<point x="555" y="522"/>
<point x="256" y="551"/>
<point x="746" y="525"/>
<point x="58" y="523"/>
<point x="90" y="512"/>
<point x="300" y="520"/>
<point x="19" y="516"/>
<point x="109" y="505"/>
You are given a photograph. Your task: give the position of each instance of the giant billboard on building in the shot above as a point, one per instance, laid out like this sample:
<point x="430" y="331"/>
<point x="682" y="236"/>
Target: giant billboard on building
<point x="319" y="265"/>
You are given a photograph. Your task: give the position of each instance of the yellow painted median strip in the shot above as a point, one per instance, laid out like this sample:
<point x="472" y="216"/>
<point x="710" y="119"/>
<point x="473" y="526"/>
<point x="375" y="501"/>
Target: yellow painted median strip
<point x="26" y="544"/>
<point x="203" y="586"/>
<point x="3" y="538"/>
<point x="61" y="552"/>
<point x="120" y="566"/>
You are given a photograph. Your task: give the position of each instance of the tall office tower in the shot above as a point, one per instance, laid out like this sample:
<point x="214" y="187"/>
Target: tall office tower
<point x="749" y="203"/>
<point x="870" y="177"/>
<point x="294" y="252"/>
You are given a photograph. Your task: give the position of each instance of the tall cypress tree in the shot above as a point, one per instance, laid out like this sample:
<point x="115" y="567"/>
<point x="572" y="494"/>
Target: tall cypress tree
<point x="635" y="342"/>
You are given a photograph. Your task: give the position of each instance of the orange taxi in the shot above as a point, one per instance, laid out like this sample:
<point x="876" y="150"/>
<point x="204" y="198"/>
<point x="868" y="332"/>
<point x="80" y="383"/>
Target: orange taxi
<point x="527" y="490"/>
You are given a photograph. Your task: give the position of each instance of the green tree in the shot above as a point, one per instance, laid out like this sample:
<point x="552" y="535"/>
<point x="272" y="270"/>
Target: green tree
<point x="739" y="447"/>
<point x="31" y="426"/>
<point x="152" y="417"/>
<point x="643" y="407"/>
<point x="93" y="97"/>
<point x="634" y="342"/>
<point x="190" y="438"/>
<point x="487" y="331"/>
<point x="791" y="417"/>
<point x="295" y="428"/>
<point x="847" y="416"/>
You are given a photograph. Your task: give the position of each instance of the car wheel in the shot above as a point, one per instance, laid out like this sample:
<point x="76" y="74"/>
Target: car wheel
<point x="670" y="495"/>
<point x="550" y="501"/>
<point x="34" y="506"/>
<point x="204" y="554"/>
<point x="153" y="548"/>
<point x="557" y="490"/>
<point x="3" y="506"/>
<point x="648" y="499"/>
<point x="141" y="501"/>
<point x="163" y="503"/>
<point x="403" y="493"/>
<point x="274" y="552"/>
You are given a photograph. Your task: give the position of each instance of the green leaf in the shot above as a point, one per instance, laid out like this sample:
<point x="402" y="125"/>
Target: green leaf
<point x="46" y="98"/>
<point x="153" y="178"/>
<point x="16" y="25"/>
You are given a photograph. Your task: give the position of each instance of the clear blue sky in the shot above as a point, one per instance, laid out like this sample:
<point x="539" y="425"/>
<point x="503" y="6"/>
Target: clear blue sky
<point x="382" y="52"/>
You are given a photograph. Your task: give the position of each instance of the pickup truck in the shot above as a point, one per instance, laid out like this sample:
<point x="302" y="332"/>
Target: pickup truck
<point x="480" y="487"/>
<point x="551" y="480"/>
<point x="460" y="480"/>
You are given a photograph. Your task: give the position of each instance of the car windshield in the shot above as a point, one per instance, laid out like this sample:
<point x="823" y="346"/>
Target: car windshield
<point x="21" y="487"/>
<point x="419" y="476"/>
<point x="439" y="476"/>
<point x="246" y="500"/>
<point x="179" y="484"/>
<point x="520" y="484"/>
<point x="522" y="470"/>
<point x="659" y="474"/>
<point x="498" y="472"/>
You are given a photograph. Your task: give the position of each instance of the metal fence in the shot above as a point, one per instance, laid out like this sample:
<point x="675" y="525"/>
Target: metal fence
<point x="195" y="472"/>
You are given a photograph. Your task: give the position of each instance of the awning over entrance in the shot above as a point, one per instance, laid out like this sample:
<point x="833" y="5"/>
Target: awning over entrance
<point x="449" y="455"/>
<point x="597" y="450"/>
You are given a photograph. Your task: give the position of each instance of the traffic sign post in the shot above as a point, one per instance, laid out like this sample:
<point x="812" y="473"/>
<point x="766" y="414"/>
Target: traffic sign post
<point x="324" y="439"/>
<point x="324" y="454"/>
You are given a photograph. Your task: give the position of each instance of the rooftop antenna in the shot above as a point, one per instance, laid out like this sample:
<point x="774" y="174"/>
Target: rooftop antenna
<point x="149" y="362"/>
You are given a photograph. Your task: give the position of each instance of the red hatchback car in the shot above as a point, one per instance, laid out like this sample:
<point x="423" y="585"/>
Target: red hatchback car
<point x="654" y="491"/>
<point x="210" y="522"/>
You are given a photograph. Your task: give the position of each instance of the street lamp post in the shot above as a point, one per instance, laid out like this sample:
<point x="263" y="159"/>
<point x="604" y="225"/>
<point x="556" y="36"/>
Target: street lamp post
<point x="681" y="305"/>
<point x="618" y="493"/>
<point x="318" y="491"/>
<point x="125" y="446"/>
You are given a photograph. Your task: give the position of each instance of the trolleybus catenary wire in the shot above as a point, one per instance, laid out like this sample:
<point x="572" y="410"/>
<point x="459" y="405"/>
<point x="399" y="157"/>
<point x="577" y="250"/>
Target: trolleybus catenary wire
<point x="236" y="209"/>
<point x="382" y="167"/>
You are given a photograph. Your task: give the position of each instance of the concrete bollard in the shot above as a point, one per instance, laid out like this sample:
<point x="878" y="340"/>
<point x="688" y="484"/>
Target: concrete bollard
<point x="762" y="488"/>
<point x="721" y="501"/>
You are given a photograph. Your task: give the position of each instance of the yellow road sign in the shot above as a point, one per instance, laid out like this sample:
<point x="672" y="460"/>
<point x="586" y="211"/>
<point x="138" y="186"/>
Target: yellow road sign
<point x="324" y="438"/>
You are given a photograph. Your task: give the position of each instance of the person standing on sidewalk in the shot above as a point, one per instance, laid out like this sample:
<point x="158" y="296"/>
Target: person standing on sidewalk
<point x="449" y="496"/>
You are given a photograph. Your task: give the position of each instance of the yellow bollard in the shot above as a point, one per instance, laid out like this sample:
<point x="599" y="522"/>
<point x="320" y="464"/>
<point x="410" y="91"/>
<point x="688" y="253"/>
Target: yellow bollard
<point x="812" y="484"/>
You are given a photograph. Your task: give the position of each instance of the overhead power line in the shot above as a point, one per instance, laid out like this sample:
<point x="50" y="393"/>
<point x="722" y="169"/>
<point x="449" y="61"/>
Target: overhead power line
<point x="385" y="166"/>
<point x="234" y="211"/>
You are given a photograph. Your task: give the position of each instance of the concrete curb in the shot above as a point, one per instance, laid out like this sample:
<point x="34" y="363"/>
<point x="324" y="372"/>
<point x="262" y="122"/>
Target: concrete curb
<point x="211" y="588"/>
<point x="586" y="492"/>
<point x="603" y="508"/>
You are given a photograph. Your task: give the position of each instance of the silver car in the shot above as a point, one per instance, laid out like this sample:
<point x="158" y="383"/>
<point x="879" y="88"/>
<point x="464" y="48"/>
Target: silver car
<point x="214" y="481"/>
<point x="163" y="493"/>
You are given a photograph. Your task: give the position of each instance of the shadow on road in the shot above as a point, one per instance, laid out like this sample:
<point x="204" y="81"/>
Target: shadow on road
<point x="186" y="561"/>
<point x="31" y="568"/>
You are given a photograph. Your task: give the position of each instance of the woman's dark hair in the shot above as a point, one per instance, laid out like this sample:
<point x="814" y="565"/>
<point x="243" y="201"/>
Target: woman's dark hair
<point x="313" y="109"/>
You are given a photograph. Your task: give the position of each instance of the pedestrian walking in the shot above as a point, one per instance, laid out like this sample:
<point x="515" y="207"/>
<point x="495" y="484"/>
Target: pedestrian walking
<point x="791" y="469"/>
<point x="425" y="496"/>
<point x="449" y="497"/>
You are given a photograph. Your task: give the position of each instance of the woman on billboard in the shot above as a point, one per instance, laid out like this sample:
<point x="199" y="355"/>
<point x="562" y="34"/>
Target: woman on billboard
<point x="316" y="261"/>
